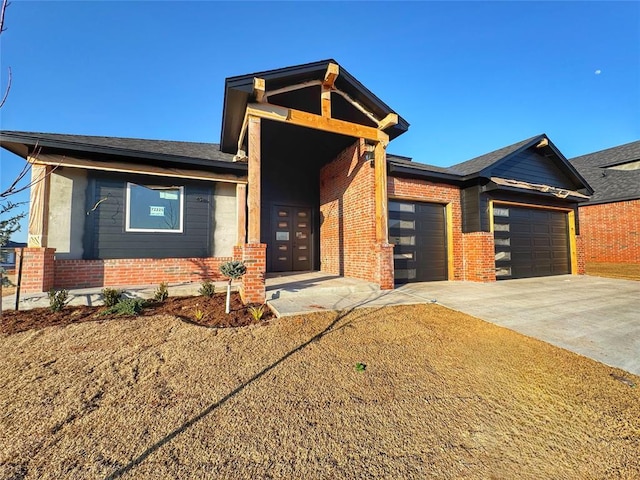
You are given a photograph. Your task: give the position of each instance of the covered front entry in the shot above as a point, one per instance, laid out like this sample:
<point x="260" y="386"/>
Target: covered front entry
<point x="530" y="242"/>
<point x="291" y="233"/>
<point x="418" y="231"/>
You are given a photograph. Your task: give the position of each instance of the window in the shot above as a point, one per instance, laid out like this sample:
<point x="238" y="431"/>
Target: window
<point x="154" y="208"/>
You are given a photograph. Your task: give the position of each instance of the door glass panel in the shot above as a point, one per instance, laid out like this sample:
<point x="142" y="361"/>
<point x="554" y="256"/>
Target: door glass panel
<point x="503" y="271"/>
<point x="282" y="236"/>
<point x="500" y="212"/>
<point x="402" y="207"/>
<point x="283" y="213"/>
<point x="282" y="259"/>
<point x="302" y="258"/>
<point x="503" y="241"/>
<point x="282" y="247"/>
<point x="403" y="256"/>
<point x="403" y="240"/>
<point x="302" y="247"/>
<point x="301" y="235"/>
<point x="405" y="274"/>
<point x="283" y="224"/>
<point x="397" y="223"/>
<point x="302" y="225"/>
<point x="302" y="214"/>
<point x="503" y="256"/>
<point x="500" y="227"/>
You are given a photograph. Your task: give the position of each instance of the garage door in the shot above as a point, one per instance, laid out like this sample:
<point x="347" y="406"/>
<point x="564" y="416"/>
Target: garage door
<point x="530" y="242"/>
<point x="418" y="231"/>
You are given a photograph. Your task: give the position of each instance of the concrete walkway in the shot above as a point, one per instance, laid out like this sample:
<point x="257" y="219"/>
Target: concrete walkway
<point x="595" y="317"/>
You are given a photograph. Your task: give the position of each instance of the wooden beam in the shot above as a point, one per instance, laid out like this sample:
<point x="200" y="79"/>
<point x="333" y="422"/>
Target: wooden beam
<point x="39" y="206"/>
<point x="291" y="88"/>
<point x="259" y="89"/>
<point x="325" y="102"/>
<point x="543" y="143"/>
<point x="573" y="248"/>
<point x="317" y="122"/>
<point x="241" y="213"/>
<point x="369" y="115"/>
<point x="253" y="200"/>
<point x="243" y="132"/>
<point x="333" y="70"/>
<point x="381" y="199"/>
<point x="388" y="121"/>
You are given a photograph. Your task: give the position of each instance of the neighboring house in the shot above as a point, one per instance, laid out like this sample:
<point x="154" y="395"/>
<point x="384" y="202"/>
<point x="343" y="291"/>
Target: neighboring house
<point x="8" y="254"/>
<point x="300" y="181"/>
<point x="610" y="220"/>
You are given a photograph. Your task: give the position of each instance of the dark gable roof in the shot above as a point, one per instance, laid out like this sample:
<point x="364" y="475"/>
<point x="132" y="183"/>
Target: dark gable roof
<point x="238" y="93"/>
<point x="194" y="153"/>
<point x="611" y="185"/>
<point x="477" y="164"/>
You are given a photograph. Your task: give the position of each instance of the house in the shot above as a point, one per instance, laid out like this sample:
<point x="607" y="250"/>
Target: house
<point x="610" y="219"/>
<point x="8" y="254"/>
<point x="301" y="180"/>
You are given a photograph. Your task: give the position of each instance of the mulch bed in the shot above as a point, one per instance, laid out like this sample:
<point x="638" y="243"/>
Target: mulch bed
<point x="182" y="307"/>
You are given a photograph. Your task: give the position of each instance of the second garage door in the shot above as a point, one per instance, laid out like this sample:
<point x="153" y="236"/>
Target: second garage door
<point x="419" y="233"/>
<point x="530" y="242"/>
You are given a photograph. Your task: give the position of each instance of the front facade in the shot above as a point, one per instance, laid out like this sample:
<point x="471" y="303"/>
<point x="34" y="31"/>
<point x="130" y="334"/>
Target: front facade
<point x="300" y="181"/>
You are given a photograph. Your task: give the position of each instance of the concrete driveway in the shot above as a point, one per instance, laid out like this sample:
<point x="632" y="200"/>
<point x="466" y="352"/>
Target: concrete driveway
<point x="595" y="317"/>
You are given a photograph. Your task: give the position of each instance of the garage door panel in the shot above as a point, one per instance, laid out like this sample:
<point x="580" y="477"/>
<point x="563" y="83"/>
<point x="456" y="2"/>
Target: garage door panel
<point x="418" y="232"/>
<point x="536" y="241"/>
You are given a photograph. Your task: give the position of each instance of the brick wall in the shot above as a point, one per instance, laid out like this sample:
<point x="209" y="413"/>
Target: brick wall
<point x="424" y="191"/>
<point x="478" y="253"/>
<point x="611" y="232"/>
<point x="252" y="287"/>
<point x="37" y="269"/>
<point x="135" y="271"/>
<point x="347" y="209"/>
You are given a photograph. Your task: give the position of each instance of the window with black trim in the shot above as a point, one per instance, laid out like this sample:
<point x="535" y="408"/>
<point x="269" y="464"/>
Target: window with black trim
<point x="153" y="208"/>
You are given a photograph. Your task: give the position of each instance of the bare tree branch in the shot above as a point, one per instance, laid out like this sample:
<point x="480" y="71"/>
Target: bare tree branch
<point x="3" y="8"/>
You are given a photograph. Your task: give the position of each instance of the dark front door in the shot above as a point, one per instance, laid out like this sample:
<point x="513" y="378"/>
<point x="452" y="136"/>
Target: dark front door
<point x="290" y="239"/>
<point x="530" y="242"/>
<point x="419" y="233"/>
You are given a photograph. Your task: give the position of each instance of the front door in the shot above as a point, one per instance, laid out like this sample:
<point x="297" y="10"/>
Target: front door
<point x="290" y="239"/>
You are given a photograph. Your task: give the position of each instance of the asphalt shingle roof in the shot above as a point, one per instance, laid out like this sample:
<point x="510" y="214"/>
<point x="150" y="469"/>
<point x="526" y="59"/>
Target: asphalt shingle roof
<point x="611" y="185"/>
<point x="478" y="164"/>
<point x="203" y="151"/>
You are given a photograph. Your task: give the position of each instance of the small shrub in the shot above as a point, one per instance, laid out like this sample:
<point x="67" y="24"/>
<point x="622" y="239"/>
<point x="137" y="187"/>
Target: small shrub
<point x="233" y="270"/>
<point x="207" y="289"/>
<point x="360" y="367"/>
<point x="198" y="314"/>
<point x="128" y="306"/>
<point x="257" y="312"/>
<point x="57" y="299"/>
<point x="162" y="292"/>
<point x="110" y="296"/>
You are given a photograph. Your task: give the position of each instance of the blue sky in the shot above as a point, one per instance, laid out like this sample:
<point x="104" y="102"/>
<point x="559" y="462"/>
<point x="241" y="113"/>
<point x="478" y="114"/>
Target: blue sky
<point x="470" y="77"/>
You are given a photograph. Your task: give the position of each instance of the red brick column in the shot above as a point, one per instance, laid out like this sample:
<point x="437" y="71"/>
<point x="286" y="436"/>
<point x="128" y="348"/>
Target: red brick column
<point x="37" y="269"/>
<point x="384" y="265"/>
<point x="252" y="287"/>
<point x="479" y="257"/>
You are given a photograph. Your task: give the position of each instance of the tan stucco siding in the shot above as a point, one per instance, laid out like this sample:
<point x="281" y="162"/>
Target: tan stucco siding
<point x="67" y="212"/>
<point x="224" y="219"/>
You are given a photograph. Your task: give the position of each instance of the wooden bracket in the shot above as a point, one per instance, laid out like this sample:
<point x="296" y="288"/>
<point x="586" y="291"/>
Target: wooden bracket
<point x="388" y="121"/>
<point x="259" y="89"/>
<point x="333" y="70"/>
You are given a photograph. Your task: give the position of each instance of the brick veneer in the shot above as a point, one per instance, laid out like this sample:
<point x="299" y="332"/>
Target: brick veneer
<point x="424" y="191"/>
<point x="611" y="232"/>
<point x="135" y="271"/>
<point x="252" y="287"/>
<point x="347" y="212"/>
<point x="37" y="269"/>
<point x="478" y="253"/>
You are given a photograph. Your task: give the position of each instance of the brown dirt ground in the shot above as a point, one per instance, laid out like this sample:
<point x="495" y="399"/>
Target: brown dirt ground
<point x="443" y="395"/>
<point x="183" y="308"/>
<point x="628" y="271"/>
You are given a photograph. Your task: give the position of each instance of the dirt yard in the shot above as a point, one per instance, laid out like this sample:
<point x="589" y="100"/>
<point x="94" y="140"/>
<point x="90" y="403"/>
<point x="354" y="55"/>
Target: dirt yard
<point x="628" y="271"/>
<point x="438" y="395"/>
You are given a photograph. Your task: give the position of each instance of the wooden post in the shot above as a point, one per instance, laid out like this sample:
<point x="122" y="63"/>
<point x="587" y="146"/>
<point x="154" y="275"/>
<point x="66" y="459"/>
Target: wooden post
<point x="380" y="173"/>
<point x="253" y="200"/>
<point x="241" y="213"/>
<point x="39" y="206"/>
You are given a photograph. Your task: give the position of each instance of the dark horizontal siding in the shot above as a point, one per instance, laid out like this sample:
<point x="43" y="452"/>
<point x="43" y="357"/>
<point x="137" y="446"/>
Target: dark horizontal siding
<point x="532" y="167"/>
<point x="105" y="234"/>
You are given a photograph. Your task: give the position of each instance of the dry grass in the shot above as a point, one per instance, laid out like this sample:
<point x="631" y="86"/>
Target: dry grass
<point x="628" y="271"/>
<point x="444" y="395"/>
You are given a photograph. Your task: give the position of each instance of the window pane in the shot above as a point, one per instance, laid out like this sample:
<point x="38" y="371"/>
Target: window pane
<point x="503" y="271"/>
<point x="401" y="207"/>
<point x="397" y="223"/>
<point x="500" y="227"/>
<point x="154" y="208"/>
<point x="500" y="212"/>
<point x="503" y="256"/>
<point x="403" y="240"/>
